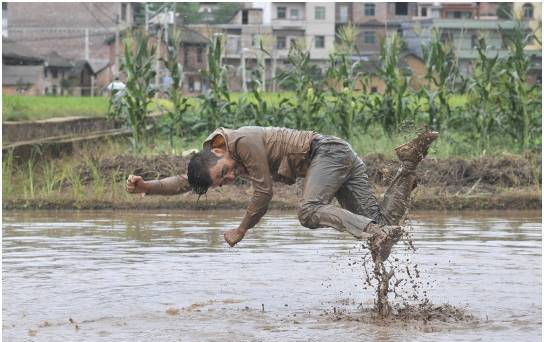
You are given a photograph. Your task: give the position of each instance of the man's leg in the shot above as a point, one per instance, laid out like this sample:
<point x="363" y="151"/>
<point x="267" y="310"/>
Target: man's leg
<point x="331" y="167"/>
<point x="356" y="195"/>
<point x="397" y="196"/>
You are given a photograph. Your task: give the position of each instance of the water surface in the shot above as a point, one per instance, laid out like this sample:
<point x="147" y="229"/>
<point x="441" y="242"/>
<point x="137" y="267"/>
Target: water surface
<point x="169" y="276"/>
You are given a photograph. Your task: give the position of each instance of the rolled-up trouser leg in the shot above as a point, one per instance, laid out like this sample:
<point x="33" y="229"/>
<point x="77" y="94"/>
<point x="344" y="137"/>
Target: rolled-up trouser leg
<point x="356" y="194"/>
<point x="397" y="196"/>
<point x="330" y="168"/>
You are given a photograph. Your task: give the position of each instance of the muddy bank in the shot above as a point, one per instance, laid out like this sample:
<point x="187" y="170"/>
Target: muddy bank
<point x="503" y="182"/>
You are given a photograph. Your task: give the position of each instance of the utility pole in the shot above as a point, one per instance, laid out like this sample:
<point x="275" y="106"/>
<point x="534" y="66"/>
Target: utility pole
<point x="274" y="70"/>
<point x="87" y="44"/>
<point x="244" y="83"/>
<point x="146" y="9"/>
<point x="116" y="69"/>
<point x="158" y="63"/>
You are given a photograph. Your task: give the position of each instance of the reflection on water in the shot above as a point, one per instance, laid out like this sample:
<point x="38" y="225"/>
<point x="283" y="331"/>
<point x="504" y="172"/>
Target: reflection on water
<point x="169" y="276"/>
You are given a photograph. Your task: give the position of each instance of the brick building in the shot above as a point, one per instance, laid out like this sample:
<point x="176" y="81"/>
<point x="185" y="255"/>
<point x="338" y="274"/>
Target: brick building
<point x="193" y="56"/>
<point x="75" y="30"/>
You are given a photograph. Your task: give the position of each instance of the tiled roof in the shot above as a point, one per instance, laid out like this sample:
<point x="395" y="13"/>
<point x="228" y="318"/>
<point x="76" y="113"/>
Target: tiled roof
<point x="17" y="74"/>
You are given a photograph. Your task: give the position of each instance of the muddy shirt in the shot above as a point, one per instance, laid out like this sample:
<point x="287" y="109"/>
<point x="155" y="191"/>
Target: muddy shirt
<point x="266" y="153"/>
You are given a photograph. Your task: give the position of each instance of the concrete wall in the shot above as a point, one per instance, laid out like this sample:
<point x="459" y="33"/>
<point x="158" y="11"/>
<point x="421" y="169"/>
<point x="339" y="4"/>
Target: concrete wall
<point x="31" y="130"/>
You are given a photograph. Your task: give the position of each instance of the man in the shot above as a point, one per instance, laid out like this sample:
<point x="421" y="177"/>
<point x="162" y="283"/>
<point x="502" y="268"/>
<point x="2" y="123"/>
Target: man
<point x="330" y="169"/>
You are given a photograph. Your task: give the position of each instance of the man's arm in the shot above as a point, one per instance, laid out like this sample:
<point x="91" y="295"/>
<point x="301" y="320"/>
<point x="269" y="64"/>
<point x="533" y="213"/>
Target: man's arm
<point x="167" y="186"/>
<point x="252" y="154"/>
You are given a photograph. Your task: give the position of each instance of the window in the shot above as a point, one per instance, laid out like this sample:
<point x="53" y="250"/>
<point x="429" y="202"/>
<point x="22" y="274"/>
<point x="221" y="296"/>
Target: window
<point x="45" y="72"/>
<point x="245" y="17"/>
<point x="294" y="13"/>
<point x="54" y="90"/>
<point x="319" y="13"/>
<point x="319" y="42"/>
<point x="54" y="73"/>
<point x="473" y="41"/>
<point x="280" y="42"/>
<point x="343" y="14"/>
<point x="185" y="55"/>
<point x="459" y="15"/>
<point x="400" y="32"/>
<point x="528" y="11"/>
<point x="369" y="37"/>
<point x="373" y="90"/>
<point x="424" y="11"/>
<point x="254" y="40"/>
<point x="401" y="8"/>
<point x="281" y="11"/>
<point x="191" y="84"/>
<point x="370" y="10"/>
<point x="199" y="53"/>
<point x="124" y="12"/>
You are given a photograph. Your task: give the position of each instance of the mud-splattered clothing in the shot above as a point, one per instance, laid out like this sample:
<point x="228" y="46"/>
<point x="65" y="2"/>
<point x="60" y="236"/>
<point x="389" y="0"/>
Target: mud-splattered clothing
<point x="266" y="153"/>
<point x="337" y="171"/>
<point x="330" y="167"/>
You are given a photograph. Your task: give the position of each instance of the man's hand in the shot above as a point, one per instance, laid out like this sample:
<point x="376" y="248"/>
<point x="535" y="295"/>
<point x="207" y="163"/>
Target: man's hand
<point x="136" y="185"/>
<point x="233" y="236"/>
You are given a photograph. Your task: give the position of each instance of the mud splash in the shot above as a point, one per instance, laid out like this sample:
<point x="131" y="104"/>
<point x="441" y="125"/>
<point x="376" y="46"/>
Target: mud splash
<point x="402" y="278"/>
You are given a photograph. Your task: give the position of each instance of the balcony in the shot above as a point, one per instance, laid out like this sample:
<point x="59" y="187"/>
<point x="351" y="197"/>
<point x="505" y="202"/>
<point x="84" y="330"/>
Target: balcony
<point x="289" y="23"/>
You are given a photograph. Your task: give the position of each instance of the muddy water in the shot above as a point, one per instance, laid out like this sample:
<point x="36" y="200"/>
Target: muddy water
<point x="150" y="276"/>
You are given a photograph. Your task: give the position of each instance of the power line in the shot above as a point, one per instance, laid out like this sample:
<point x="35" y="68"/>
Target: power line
<point x="92" y="14"/>
<point x="96" y="5"/>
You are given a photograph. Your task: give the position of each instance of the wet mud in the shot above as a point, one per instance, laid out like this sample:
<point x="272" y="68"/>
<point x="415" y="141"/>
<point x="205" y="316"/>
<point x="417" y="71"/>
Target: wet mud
<point x="402" y="280"/>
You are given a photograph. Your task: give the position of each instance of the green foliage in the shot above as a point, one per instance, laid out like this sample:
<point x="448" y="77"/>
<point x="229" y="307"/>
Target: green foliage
<point x="216" y="105"/>
<point x="138" y="66"/>
<point x="442" y="74"/>
<point x="307" y="82"/>
<point x="173" y="122"/>
<point x="392" y="108"/>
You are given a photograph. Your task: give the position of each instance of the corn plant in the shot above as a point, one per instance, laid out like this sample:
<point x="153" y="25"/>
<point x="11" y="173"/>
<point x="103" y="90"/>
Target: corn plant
<point x="173" y="121"/>
<point x="392" y="106"/>
<point x="216" y="106"/>
<point x="139" y="69"/>
<point x="442" y="73"/>
<point x="484" y="93"/>
<point x="304" y="78"/>
<point x="343" y="76"/>
<point x="523" y="100"/>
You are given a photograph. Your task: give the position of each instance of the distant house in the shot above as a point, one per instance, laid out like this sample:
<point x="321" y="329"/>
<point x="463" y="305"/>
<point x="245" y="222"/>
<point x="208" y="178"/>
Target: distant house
<point x="80" y="79"/>
<point x="56" y="70"/>
<point x="76" y="30"/>
<point x="25" y="72"/>
<point x="193" y="56"/>
<point x="22" y="69"/>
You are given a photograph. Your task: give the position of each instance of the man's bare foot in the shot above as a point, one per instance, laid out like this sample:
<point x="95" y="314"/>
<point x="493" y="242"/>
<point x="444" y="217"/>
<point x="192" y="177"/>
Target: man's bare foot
<point x="382" y="241"/>
<point x="233" y="236"/>
<point x="415" y="150"/>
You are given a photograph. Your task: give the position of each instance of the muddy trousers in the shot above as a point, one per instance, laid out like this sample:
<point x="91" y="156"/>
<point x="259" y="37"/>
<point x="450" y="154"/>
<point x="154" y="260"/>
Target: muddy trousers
<point x="336" y="171"/>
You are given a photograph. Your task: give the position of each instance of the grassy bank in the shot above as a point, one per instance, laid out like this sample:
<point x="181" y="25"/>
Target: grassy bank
<point x="94" y="178"/>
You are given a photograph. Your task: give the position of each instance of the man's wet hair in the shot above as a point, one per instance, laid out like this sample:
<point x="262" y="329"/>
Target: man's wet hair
<point x="198" y="170"/>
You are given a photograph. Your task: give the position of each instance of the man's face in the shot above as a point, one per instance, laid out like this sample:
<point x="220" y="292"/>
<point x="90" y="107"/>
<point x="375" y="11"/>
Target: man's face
<point x="224" y="172"/>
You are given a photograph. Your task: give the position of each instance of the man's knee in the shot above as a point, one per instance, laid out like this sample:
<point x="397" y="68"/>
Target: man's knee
<point x="307" y="215"/>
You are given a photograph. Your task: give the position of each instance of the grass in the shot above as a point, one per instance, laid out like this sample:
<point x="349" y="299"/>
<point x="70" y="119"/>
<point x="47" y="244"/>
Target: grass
<point x="58" y="183"/>
<point x="19" y="108"/>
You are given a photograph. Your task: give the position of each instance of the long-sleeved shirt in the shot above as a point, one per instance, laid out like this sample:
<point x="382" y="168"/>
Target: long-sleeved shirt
<point x="266" y="153"/>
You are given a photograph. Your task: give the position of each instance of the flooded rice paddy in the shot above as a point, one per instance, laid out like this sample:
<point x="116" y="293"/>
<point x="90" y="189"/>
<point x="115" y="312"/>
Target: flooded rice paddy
<point x="169" y="276"/>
